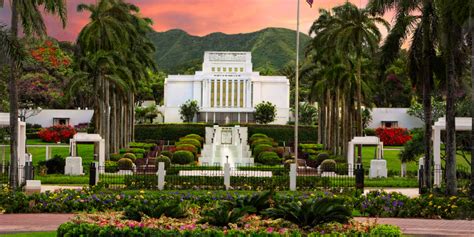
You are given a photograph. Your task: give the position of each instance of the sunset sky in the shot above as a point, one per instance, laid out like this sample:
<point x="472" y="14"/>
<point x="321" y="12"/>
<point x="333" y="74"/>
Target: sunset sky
<point x="201" y="17"/>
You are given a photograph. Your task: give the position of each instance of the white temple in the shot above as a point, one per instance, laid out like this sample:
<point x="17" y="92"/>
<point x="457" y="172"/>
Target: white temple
<point x="227" y="90"/>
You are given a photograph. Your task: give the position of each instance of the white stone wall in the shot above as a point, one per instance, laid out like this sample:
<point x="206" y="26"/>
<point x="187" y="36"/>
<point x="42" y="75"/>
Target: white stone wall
<point x="46" y="116"/>
<point x="394" y="114"/>
<point x="275" y="89"/>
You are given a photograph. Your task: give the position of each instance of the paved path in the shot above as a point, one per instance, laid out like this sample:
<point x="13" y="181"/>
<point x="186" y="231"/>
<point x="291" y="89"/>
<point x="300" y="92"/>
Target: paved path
<point x="428" y="227"/>
<point x="11" y="223"/>
<point x="410" y="192"/>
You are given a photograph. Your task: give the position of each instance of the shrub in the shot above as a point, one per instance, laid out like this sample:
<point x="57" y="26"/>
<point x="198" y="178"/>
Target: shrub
<point x="125" y="164"/>
<point x="195" y="136"/>
<point x="311" y="146"/>
<point x="172" y="132"/>
<point x="328" y="165"/>
<point x="386" y="230"/>
<point x="222" y="214"/>
<point x="130" y="156"/>
<point x="168" y="154"/>
<point x="261" y="148"/>
<point x="164" y="159"/>
<point x="182" y="157"/>
<point x="141" y="145"/>
<point x="187" y="147"/>
<point x="321" y="157"/>
<point x="57" y="133"/>
<point x="190" y="141"/>
<point x="280" y="151"/>
<point x="135" y="151"/>
<point x="111" y="166"/>
<point x="257" y="136"/>
<point x="393" y="136"/>
<point x="54" y="165"/>
<point x="311" y="212"/>
<point x="269" y="158"/>
<point x="265" y="112"/>
<point x="267" y="141"/>
<point x="369" y="132"/>
<point x="115" y="157"/>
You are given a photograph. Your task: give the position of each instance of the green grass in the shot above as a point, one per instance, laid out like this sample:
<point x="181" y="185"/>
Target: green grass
<point x="396" y="182"/>
<point x="29" y="234"/>
<point x="63" y="179"/>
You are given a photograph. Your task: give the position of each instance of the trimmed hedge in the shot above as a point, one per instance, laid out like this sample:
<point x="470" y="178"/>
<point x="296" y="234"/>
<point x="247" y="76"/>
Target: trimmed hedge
<point x="174" y="131"/>
<point x="182" y="157"/>
<point x="269" y="158"/>
<point x="125" y="164"/>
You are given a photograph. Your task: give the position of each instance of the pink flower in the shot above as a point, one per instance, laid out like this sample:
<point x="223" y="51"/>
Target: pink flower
<point x="270" y="229"/>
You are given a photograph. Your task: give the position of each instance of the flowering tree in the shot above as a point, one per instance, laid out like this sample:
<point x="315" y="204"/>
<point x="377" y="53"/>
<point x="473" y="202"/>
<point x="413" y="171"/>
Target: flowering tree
<point x="57" y="133"/>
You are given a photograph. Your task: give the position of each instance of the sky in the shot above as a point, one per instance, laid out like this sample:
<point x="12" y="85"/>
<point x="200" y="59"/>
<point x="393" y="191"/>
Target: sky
<point x="201" y="17"/>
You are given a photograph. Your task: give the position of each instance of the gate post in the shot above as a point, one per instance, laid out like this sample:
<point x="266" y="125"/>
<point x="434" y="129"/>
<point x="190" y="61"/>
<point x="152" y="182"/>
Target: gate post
<point x="94" y="174"/>
<point x="161" y="175"/>
<point x="421" y="180"/>
<point x="359" y="173"/>
<point x="292" y="177"/>
<point x="227" y="176"/>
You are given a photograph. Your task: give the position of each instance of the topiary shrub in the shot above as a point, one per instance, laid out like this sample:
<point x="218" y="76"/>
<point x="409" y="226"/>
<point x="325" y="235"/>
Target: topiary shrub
<point x="125" y="164"/>
<point x="320" y="158"/>
<point x="115" y="157"/>
<point x="163" y="159"/>
<point x="195" y="136"/>
<point x="168" y="154"/>
<point x="111" y="166"/>
<point x="190" y="141"/>
<point x="54" y="165"/>
<point x="328" y="165"/>
<point x="261" y="148"/>
<point x="187" y="147"/>
<point x="182" y="157"/>
<point x="269" y="158"/>
<point x="259" y="141"/>
<point x="130" y="156"/>
<point x="257" y="136"/>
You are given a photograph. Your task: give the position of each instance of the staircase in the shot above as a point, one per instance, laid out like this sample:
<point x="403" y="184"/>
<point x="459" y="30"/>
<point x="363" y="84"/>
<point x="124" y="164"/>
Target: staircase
<point x="228" y="144"/>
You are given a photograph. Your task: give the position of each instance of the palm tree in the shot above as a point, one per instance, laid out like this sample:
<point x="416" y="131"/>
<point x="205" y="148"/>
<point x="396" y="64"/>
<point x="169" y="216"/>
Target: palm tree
<point x="29" y="15"/>
<point x="117" y="28"/>
<point x="421" y="55"/>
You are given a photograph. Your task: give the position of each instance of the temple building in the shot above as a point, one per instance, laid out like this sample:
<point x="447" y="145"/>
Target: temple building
<point x="226" y="90"/>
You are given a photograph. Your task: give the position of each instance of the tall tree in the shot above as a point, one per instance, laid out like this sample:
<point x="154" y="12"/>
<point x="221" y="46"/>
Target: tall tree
<point x="28" y="13"/>
<point x="119" y="33"/>
<point x="422" y="27"/>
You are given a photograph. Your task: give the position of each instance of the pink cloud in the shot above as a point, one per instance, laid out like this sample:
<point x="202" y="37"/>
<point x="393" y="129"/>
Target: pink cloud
<point x="201" y="17"/>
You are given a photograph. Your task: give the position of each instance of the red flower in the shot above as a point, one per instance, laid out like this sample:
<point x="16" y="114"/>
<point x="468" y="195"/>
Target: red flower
<point x="57" y="133"/>
<point x="393" y="136"/>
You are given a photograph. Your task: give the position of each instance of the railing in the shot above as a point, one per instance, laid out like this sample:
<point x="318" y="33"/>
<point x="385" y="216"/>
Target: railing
<point x="208" y="177"/>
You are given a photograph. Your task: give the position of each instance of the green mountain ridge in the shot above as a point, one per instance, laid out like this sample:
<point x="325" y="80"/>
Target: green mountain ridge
<point x="178" y="51"/>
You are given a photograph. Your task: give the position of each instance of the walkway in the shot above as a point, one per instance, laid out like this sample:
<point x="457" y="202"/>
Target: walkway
<point x="11" y="223"/>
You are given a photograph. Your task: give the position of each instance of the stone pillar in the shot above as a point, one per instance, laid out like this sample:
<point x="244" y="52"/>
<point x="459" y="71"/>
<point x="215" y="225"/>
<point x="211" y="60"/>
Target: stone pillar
<point x="437" y="157"/>
<point x="350" y="159"/>
<point x="226" y="93"/>
<point x="238" y="95"/>
<point x="215" y="96"/>
<point x="227" y="176"/>
<point x="292" y="177"/>
<point x="232" y="93"/>
<point x="161" y="175"/>
<point x="245" y="94"/>
<point x="221" y="81"/>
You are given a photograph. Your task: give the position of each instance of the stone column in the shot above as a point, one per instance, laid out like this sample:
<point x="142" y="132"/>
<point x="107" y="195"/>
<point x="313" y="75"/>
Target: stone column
<point x="226" y="93"/>
<point x="215" y="96"/>
<point x="232" y="93"/>
<point x="238" y="95"/>
<point x="437" y="156"/>
<point x="221" y="81"/>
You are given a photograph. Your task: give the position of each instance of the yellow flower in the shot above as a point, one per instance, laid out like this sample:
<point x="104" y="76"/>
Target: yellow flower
<point x="142" y="191"/>
<point x="431" y="195"/>
<point x="452" y="197"/>
<point x="312" y="195"/>
<point x="454" y="206"/>
<point x="439" y="207"/>
<point x="430" y="203"/>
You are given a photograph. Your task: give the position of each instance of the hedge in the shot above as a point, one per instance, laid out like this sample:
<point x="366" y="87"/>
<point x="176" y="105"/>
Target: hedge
<point x="174" y="131"/>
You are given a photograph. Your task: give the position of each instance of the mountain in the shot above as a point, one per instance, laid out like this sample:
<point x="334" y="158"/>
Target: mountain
<point x="177" y="51"/>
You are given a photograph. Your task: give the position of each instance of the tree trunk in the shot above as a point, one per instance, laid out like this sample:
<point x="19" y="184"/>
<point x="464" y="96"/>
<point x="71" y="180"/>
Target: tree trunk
<point x="359" y="105"/>
<point x="451" y="33"/>
<point x="13" y="96"/>
<point x="472" y="112"/>
<point x="426" y="67"/>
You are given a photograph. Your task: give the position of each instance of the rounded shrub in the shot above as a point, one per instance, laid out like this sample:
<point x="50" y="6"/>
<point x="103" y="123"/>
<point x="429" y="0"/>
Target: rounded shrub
<point x="115" y="157"/>
<point x="125" y="164"/>
<point x="130" y="156"/>
<point x="111" y="166"/>
<point x="187" y="147"/>
<point x="328" y="165"/>
<point x="190" y="141"/>
<point x="163" y="159"/>
<point x="195" y="136"/>
<point x="257" y="136"/>
<point x="168" y="154"/>
<point x="261" y="148"/>
<point x="320" y="158"/>
<point x="269" y="158"/>
<point x="386" y="230"/>
<point x="182" y="157"/>
<point x="259" y="141"/>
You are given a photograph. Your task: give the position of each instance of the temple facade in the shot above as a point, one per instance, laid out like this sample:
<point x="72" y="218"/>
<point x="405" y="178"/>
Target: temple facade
<point x="226" y="90"/>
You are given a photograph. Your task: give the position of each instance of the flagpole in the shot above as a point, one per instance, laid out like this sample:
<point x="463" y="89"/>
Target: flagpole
<point x="297" y="79"/>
